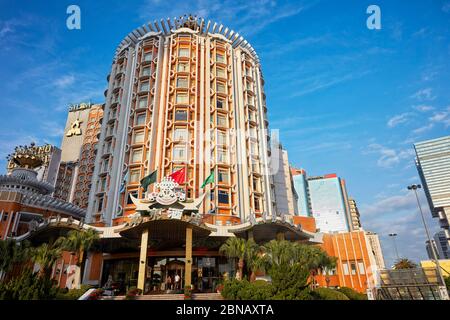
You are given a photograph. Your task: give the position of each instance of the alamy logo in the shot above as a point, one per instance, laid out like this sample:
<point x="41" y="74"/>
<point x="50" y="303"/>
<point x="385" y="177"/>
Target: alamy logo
<point x="374" y="20"/>
<point x="74" y="20"/>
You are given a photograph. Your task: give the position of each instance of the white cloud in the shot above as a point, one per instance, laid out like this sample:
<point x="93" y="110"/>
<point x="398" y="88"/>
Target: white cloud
<point x="399" y="119"/>
<point x="64" y="81"/>
<point x="424" y="94"/>
<point x="389" y="157"/>
<point x="423" y="108"/>
<point x="423" y="129"/>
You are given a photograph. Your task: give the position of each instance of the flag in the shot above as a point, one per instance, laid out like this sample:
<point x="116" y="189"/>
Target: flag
<point x="148" y="180"/>
<point x="179" y="176"/>
<point x="208" y="180"/>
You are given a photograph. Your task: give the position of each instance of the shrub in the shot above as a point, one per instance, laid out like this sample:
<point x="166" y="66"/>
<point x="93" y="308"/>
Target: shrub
<point x="132" y="293"/>
<point x="232" y="287"/>
<point x="352" y="294"/>
<point x="29" y="286"/>
<point x="72" y="294"/>
<point x="258" y="290"/>
<point x="328" y="294"/>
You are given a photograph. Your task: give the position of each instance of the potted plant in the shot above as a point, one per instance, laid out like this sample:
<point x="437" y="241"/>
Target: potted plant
<point x="188" y="293"/>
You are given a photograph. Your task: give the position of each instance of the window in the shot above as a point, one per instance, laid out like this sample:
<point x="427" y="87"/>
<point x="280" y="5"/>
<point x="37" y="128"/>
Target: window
<point x="179" y="152"/>
<point x="148" y="56"/>
<point x="222" y="155"/>
<point x="183" y="67"/>
<point x="182" y="82"/>
<point x="181" y="115"/>
<point x="220" y="104"/>
<point x="138" y="137"/>
<point x="223" y="176"/>
<point x="253" y="148"/>
<point x="99" y="204"/>
<point x="135" y="176"/>
<point x="145" y="86"/>
<point x="353" y="267"/>
<point x="223" y="197"/>
<point x="250" y="100"/>
<point x="221" y="120"/>
<point x="220" y="87"/>
<point x="345" y="269"/>
<point x="257" y="204"/>
<point x="134" y="194"/>
<point x="182" y="98"/>
<point x="180" y="134"/>
<point x="220" y="72"/>
<point x="140" y="119"/>
<point x="362" y="270"/>
<point x="145" y="71"/>
<point x="142" y="103"/>
<point x="253" y="132"/>
<point x="221" y="138"/>
<point x="183" y="52"/>
<point x="256" y="184"/>
<point x="136" y="155"/>
<point x="220" y="57"/>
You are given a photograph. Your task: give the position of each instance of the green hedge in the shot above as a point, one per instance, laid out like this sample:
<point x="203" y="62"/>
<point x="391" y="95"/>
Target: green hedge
<point x="328" y="294"/>
<point x="72" y="294"/>
<point x="244" y="290"/>
<point x="352" y="294"/>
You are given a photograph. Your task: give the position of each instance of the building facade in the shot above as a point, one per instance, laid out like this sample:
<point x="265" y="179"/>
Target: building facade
<point x="433" y="165"/>
<point x="286" y="197"/>
<point x="301" y="188"/>
<point x="329" y="203"/>
<point x="354" y="215"/>
<point x="184" y="94"/>
<point x="78" y="146"/>
<point x="48" y="170"/>
<point x="356" y="265"/>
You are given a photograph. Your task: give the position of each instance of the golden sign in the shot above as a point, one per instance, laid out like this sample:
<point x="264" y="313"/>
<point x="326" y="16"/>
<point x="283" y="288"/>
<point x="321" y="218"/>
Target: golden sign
<point x="75" y="129"/>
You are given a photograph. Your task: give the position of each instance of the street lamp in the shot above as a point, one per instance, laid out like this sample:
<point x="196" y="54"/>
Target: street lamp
<point x="414" y="187"/>
<point x="393" y="235"/>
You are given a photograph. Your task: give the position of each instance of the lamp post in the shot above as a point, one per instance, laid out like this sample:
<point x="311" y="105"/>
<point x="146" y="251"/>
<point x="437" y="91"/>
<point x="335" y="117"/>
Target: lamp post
<point x="414" y="187"/>
<point x="393" y="235"/>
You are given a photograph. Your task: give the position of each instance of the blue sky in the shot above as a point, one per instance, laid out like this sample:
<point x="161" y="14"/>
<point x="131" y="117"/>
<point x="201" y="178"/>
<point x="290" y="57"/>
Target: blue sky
<point x="346" y="99"/>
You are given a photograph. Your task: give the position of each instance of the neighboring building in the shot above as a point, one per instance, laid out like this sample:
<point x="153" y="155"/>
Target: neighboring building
<point x="302" y="190"/>
<point x="375" y="247"/>
<point x="285" y="194"/>
<point x="329" y="203"/>
<point x="354" y="215"/>
<point x="433" y="165"/>
<point x="356" y="265"/>
<point x="80" y="194"/>
<point x="78" y="153"/>
<point x="48" y="171"/>
<point x="429" y="250"/>
<point x="441" y="245"/>
<point x="444" y="263"/>
<point x="24" y="199"/>
<point x="187" y="96"/>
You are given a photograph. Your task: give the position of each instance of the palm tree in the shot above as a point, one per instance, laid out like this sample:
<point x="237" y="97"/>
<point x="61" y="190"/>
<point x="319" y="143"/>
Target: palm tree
<point x="78" y="242"/>
<point x="46" y="255"/>
<point x="314" y="259"/>
<point x="12" y="253"/>
<point x="235" y="248"/>
<point x="256" y="261"/>
<point x="404" y="264"/>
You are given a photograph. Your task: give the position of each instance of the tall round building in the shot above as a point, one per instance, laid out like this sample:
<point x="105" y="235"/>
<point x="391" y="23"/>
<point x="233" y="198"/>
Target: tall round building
<point x="184" y="93"/>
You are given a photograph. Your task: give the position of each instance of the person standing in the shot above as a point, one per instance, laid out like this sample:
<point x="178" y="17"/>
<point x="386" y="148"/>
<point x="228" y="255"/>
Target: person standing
<point x="177" y="281"/>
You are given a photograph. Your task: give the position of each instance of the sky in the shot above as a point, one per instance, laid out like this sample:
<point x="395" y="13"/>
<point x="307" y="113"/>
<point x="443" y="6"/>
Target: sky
<point x="346" y="99"/>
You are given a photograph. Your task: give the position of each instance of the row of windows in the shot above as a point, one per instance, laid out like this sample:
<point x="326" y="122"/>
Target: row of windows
<point x="346" y="270"/>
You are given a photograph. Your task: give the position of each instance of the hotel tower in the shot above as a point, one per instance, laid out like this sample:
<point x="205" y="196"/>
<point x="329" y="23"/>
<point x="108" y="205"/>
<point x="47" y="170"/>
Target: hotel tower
<point x="184" y="93"/>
